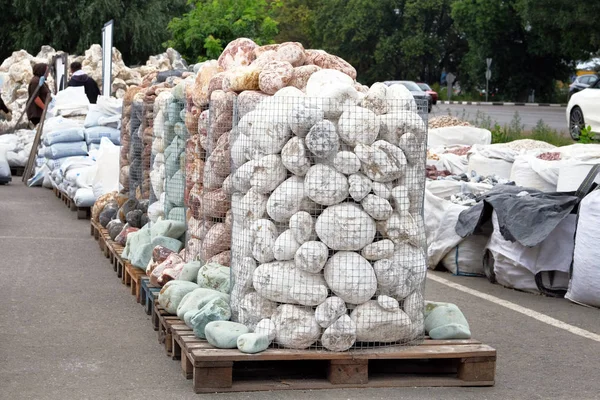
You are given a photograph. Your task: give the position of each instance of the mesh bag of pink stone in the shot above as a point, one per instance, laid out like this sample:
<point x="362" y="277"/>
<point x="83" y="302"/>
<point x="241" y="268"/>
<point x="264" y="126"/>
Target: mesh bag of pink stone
<point x="328" y="242"/>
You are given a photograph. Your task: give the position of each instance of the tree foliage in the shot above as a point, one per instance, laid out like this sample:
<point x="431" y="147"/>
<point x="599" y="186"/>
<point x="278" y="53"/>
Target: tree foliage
<point x="206" y="29"/>
<point x="72" y="26"/>
<point x="390" y="39"/>
<point x="532" y="42"/>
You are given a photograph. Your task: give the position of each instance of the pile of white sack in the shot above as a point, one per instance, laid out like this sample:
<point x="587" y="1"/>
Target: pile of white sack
<point x="79" y="153"/>
<point x="18" y="146"/>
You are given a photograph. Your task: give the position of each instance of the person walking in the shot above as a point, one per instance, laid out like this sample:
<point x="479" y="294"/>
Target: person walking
<point x="36" y="107"/>
<point x="80" y="78"/>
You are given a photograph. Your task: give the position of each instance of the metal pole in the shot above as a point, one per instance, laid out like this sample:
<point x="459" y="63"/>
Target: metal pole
<point x="487" y="90"/>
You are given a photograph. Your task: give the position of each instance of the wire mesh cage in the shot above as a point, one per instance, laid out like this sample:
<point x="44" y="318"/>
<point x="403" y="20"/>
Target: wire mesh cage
<point x="175" y="137"/>
<point x="195" y="157"/>
<point x="124" y="161"/>
<point x="327" y="197"/>
<point x="136" y="146"/>
<point x="210" y="226"/>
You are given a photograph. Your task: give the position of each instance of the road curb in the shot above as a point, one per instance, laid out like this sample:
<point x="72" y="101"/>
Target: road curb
<point x="493" y="103"/>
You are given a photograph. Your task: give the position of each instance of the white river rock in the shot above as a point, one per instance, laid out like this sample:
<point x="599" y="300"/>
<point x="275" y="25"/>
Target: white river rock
<point x="295" y="156"/>
<point x="253" y="206"/>
<point x="282" y="282"/>
<point x="311" y="257"/>
<point x="254" y="308"/>
<point x="302" y="225"/>
<point x="241" y="177"/>
<point x="266" y="327"/>
<point x="400" y="198"/>
<point x="330" y="310"/>
<point x="360" y="186"/>
<point x="346" y="162"/>
<point x="401" y="227"/>
<point x="381" y="162"/>
<point x="325" y="186"/>
<point x="268" y="173"/>
<point x="414" y="305"/>
<point x="375" y="324"/>
<point x="388" y="303"/>
<point x="345" y="227"/>
<point x="285" y="246"/>
<point x="296" y="327"/>
<point x="378" y="250"/>
<point x="322" y="139"/>
<point x="265" y="234"/>
<point x="376" y="98"/>
<point x="303" y="117"/>
<point x="383" y="190"/>
<point x="378" y="208"/>
<point x="340" y="335"/>
<point x="287" y="199"/>
<point x="358" y="125"/>
<point x="351" y="277"/>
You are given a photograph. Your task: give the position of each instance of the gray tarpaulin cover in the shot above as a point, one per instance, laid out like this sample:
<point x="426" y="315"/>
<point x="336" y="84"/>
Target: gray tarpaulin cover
<point x="526" y="219"/>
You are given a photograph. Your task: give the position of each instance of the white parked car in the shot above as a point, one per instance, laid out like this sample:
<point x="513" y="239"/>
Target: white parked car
<point x="583" y="110"/>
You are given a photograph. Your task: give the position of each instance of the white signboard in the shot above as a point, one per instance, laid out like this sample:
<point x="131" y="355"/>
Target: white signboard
<point x="107" y="45"/>
<point x="59" y="72"/>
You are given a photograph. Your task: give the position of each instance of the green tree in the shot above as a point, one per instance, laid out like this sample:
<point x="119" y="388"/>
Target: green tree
<point x="206" y="29"/>
<point x="390" y="39"/>
<point x="533" y="43"/>
<point x="72" y="26"/>
<point x="296" y="21"/>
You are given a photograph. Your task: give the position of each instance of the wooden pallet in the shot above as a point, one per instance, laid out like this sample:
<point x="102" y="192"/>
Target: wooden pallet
<point x="165" y="324"/>
<point x="132" y="277"/>
<point x="147" y="294"/>
<point x="82" y="212"/>
<point x="17" y="171"/>
<point x="184" y="341"/>
<point x="433" y="363"/>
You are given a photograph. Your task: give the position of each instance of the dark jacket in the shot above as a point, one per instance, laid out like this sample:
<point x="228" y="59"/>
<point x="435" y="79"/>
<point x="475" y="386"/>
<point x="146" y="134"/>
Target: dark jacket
<point x="33" y="111"/>
<point x="91" y="87"/>
<point x="3" y="106"/>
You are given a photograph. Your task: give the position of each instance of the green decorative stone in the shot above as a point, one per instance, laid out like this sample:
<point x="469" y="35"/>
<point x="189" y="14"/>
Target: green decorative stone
<point x="214" y="276"/>
<point x="224" y="334"/>
<point x="253" y="343"/>
<point x="446" y="321"/>
<point x="141" y="256"/>
<point x="135" y="240"/>
<point x="199" y="298"/>
<point x="190" y="271"/>
<point x="175" y="188"/>
<point x="168" y="242"/>
<point x="215" y="310"/>
<point x="173" y="293"/>
<point x="168" y="228"/>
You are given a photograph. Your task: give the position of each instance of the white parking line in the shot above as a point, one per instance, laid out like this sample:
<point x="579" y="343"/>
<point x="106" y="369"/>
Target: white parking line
<point x="515" y="307"/>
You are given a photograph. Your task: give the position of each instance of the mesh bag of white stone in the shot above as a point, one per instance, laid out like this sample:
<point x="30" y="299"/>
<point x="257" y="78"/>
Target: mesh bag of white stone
<point x="328" y="238"/>
<point x="175" y="138"/>
<point x="157" y="169"/>
<point x="212" y="229"/>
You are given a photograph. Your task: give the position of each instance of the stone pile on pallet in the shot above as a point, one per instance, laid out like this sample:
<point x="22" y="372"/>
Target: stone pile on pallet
<point x="433" y="363"/>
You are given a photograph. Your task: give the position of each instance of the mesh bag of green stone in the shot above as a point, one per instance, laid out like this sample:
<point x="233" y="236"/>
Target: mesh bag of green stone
<point x="328" y="235"/>
<point x="209" y="227"/>
<point x="175" y="137"/>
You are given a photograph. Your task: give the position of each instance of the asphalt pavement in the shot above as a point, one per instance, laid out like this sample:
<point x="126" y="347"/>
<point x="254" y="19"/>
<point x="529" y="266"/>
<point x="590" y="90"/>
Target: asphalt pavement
<point x="554" y="117"/>
<point x="71" y="330"/>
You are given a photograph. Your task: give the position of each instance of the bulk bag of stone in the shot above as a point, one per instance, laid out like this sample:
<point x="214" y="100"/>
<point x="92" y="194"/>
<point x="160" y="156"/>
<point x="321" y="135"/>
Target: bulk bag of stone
<point x="327" y="215"/>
